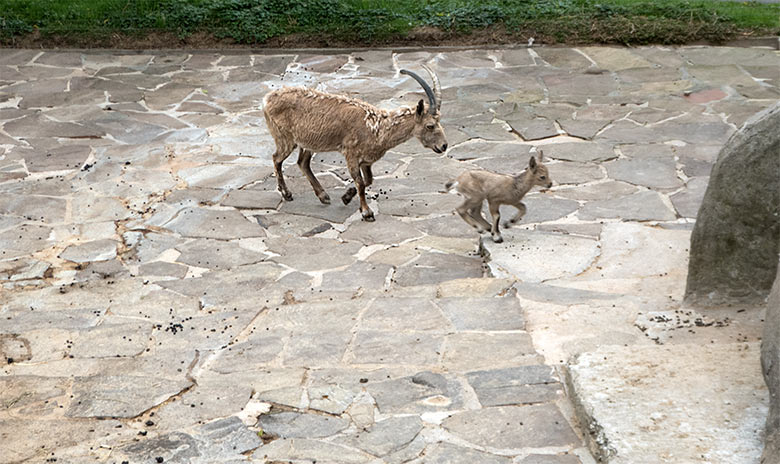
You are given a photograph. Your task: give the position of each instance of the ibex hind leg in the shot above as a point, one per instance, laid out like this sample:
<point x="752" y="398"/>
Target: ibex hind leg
<point x="476" y="213"/>
<point x="281" y="154"/>
<point x="304" y="162"/>
<point x="495" y="213"/>
<point x="465" y="212"/>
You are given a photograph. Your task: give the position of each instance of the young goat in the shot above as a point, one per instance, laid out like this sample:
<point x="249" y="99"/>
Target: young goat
<point x="498" y="189"/>
<point x="318" y="121"/>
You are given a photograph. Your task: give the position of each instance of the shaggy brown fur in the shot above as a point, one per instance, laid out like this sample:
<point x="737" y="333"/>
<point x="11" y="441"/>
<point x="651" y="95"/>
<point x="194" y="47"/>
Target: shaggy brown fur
<point x="317" y="121"/>
<point x="498" y="189"/>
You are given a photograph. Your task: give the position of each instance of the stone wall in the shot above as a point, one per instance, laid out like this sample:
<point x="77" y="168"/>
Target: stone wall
<point x="736" y="240"/>
<point x="770" y="365"/>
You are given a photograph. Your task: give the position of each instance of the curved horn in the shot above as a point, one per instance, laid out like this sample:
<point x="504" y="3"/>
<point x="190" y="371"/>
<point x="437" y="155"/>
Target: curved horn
<point x="436" y="87"/>
<point x="426" y="87"/>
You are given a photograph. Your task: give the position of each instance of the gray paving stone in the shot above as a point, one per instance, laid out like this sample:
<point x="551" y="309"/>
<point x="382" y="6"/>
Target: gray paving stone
<point x="687" y="203"/>
<point x="218" y="287"/>
<point x="252" y="199"/>
<point x="403" y="314"/>
<point x="563" y="58"/>
<point x="574" y="173"/>
<point x="516" y="385"/>
<point x="463" y="351"/>
<point x="641" y="206"/>
<point x="211" y="223"/>
<point x="446" y="453"/>
<point x="22" y="269"/>
<point x="540" y="208"/>
<point x="579" y="151"/>
<point x="446" y="226"/>
<point x="34" y="208"/>
<point x="120" y="396"/>
<point x="111" y="339"/>
<point x="307" y="204"/>
<point x="283" y="224"/>
<point x="417" y="349"/>
<point x="386" y="436"/>
<point x="310" y="254"/>
<point x="216" y="254"/>
<point x="514" y="258"/>
<point x="551" y="459"/>
<point x="586" y="129"/>
<point x="361" y="275"/>
<point x="483" y="313"/>
<point x="419" y="205"/>
<point x="600" y="191"/>
<point x="298" y="425"/>
<point x="656" y="173"/>
<point x="161" y="268"/>
<point x="98" y="250"/>
<point x="532" y="129"/>
<point x="305" y="450"/>
<point x="389" y="231"/>
<point x="513" y="427"/>
<point x="62" y="158"/>
<point x="317" y="349"/>
<point x="40" y="126"/>
<point x="432" y="268"/>
<point x="481" y="149"/>
<point x="226" y="439"/>
<point x="424" y="391"/>
<point x="224" y="176"/>
<point x="331" y="398"/>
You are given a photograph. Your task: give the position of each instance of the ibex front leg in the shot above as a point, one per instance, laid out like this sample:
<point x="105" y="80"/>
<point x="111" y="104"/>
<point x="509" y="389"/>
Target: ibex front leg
<point x="368" y="179"/>
<point x="519" y="215"/>
<point x="354" y="171"/>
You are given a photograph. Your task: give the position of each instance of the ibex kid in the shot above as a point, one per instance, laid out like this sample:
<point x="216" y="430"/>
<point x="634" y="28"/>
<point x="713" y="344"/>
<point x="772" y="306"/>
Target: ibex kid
<point x="498" y="189"/>
<point x="317" y="121"/>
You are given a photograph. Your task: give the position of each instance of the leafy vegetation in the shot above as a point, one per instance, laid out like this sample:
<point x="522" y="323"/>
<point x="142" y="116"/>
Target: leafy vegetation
<point x="371" y="22"/>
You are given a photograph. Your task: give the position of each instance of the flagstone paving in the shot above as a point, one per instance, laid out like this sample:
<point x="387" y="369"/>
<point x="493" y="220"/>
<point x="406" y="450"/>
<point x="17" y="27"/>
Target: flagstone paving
<point x="160" y="303"/>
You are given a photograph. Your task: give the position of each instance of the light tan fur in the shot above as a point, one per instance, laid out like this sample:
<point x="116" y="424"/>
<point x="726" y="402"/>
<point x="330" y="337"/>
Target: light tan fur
<point x="317" y="121"/>
<point x="498" y="189"/>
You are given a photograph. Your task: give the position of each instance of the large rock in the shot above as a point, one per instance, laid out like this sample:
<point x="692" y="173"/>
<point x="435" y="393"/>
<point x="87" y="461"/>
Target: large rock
<point x="770" y="365"/>
<point x="735" y="242"/>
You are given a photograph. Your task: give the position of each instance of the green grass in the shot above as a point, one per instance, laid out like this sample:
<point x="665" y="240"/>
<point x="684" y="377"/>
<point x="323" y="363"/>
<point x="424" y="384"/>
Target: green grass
<point x="368" y="22"/>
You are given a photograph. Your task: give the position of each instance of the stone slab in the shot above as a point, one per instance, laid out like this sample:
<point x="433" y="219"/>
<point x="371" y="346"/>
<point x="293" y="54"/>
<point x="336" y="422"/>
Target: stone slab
<point x="655" y="403"/>
<point x="512" y="427"/>
<point x="517" y="256"/>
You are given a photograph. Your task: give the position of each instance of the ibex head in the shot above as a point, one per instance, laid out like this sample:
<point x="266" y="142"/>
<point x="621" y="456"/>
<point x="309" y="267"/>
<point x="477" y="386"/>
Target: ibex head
<point x="427" y="127"/>
<point x="539" y="174"/>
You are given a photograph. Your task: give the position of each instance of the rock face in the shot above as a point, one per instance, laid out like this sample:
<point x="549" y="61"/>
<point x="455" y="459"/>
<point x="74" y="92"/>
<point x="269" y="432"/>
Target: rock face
<point x="735" y="242"/>
<point x="770" y="365"/>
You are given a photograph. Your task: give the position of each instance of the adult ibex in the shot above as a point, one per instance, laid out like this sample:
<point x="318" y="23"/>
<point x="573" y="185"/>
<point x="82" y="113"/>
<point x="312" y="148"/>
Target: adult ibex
<point x="317" y="121"/>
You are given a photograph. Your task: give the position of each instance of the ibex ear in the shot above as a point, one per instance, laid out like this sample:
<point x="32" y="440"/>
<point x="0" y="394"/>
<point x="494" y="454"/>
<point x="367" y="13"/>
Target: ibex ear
<point x="539" y="156"/>
<point x="532" y="163"/>
<point x="420" y="109"/>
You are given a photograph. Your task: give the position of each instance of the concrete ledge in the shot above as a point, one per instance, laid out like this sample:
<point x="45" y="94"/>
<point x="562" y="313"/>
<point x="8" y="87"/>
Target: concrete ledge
<point x="672" y="403"/>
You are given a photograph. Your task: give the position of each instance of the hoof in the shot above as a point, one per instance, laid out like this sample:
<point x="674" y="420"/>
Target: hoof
<point x="368" y="216"/>
<point x="507" y="225"/>
<point x="498" y="239"/>
<point x="287" y="196"/>
<point x="349" y="195"/>
<point x="324" y="199"/>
